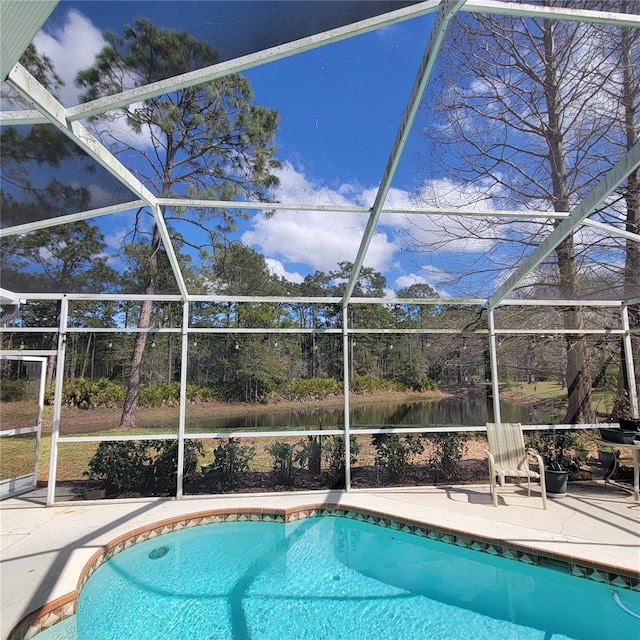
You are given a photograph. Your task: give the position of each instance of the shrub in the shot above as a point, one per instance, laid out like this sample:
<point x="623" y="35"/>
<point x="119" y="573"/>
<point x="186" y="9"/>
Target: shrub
<point x="282" y="469"/>
<point x="195" y="393"/>
<point x="145" y="466"/>
<point x="301" y="388"/>
<point x="84" y="393"/>
<point x="230" y="461"/>
<point x="12" y="390"/>
<point x="414" y="377"/>
<point x="369" y="384"/>
<point x="448" y="448"/>
<point x="165" y="463"/>
<point x="336" y="460"/>
<point x="395" y="453"/>
<point x="122" y="466"/>
<point x="159" y="395"/>
<point x="557" y="448"/>
<point x="309" y="454"/>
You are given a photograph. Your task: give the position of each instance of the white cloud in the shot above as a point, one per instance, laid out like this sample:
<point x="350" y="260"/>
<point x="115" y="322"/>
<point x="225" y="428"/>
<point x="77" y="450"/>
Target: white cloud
<point x="277" y="269"/>
<point x="318" y="239"/>
<point x="321" y="240"/>
<point x="408" y="279"/>
<point x="71" y="47"/>
<point x="396" y="198"/>
<point x="430" y="275"/>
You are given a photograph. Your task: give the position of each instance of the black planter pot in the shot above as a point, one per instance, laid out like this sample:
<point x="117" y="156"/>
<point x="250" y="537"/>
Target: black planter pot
<point x="556" y="482"/>
<point x="609" y="463"/>
<point x="630" y="424"/>
<point x="621" y="436"/>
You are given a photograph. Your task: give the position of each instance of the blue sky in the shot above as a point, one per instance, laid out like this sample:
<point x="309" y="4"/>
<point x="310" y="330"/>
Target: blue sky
<point x="340" y="107"/>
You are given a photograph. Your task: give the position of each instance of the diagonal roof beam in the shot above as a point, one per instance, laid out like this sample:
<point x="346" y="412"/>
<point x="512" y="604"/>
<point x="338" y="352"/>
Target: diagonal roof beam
<point x="248" y="61"/>
<point x="553" y="13"/>
<point x="23" y="82"/>
<point x="258" y="58"/>
<point x="26" y="116"/>
<point x="609" y="182"/>
<point x="614" y="231"/>
<point x="69" y="218"/>
<point x="329" y="208"/>
<point x="448" y="9"/>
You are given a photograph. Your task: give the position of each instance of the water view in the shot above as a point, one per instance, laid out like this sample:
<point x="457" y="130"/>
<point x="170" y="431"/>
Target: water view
<point x="471" y="411"/>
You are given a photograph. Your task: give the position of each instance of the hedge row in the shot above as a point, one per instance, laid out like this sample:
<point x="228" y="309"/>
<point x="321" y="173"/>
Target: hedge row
<point x="102" y="392"/>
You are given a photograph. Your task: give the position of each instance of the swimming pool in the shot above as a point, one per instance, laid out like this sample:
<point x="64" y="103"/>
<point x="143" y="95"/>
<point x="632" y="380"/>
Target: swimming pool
<point x="333" y="578"/>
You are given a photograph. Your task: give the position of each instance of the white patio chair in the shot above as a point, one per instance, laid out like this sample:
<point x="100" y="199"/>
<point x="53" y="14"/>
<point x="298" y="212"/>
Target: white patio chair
<point x="509" y="458"/>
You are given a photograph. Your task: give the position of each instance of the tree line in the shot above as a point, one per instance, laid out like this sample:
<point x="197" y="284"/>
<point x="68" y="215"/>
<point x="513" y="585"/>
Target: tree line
<point x="532" y="112"/>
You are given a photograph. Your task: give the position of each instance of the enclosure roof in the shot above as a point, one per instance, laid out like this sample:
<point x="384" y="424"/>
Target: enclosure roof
<point x="249" y="36"/>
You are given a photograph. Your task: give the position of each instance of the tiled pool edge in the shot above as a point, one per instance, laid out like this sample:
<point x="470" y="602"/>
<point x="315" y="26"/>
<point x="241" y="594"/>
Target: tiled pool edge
<point x="61" y="608"/>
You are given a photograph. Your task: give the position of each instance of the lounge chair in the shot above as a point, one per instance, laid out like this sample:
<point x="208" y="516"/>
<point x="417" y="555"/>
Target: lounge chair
<point x="509" y="458"/>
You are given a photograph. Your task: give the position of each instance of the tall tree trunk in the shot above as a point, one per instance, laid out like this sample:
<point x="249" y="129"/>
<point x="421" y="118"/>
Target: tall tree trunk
<point x="128" y="418"/>
<point x="85" y="358"/>
<point x="579" y="407"/>
<point x="53" y="344"/>
<point x="630" y="99"/>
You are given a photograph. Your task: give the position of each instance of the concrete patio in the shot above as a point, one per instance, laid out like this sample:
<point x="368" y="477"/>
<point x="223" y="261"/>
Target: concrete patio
<point x="43" y="550"/>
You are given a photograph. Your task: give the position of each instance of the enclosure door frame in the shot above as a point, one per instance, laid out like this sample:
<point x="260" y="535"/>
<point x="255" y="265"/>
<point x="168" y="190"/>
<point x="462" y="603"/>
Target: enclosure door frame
<point x="10" y="487"/>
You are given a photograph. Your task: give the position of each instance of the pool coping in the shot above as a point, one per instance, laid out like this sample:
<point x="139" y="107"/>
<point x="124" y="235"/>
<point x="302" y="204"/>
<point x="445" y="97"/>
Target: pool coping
<point x="64" y="607"/>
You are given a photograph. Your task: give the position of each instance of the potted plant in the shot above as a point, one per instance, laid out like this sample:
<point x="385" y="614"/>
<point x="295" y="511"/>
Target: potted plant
<point x="608" y="457"/>
<point x="555" y="448"/>
<point x="623" y="414"/>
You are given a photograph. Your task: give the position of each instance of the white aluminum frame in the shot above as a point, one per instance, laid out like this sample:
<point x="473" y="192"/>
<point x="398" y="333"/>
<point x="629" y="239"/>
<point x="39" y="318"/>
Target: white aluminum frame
<point x="49" y="110"/>
<point x="10" y="487"/>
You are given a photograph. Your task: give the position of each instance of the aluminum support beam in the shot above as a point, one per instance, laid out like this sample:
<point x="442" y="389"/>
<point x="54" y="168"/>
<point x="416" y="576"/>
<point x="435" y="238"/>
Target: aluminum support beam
<point x="260" y="206"/>
<point x="447" y="12"/>
<point x="57" y="402"/>
<point x="493" y="361"/>
<point x="171" y="254"/>
<point x="9" y="297"/>
<point x="70" y="218"/>
<point x="299" y="206"/>
<point x="441" y="302"/>
<point x="614" y="231"/>
<point x="609" y="182"/>
<point x="41" y="396"/>
<point x="346" y="367"/>
<point x="213" y="72"/>
<point x="182" y="418"/>
<point x="552" y="13"/>
<point x="21" y="80"/>
<point x="17" y="118"/>
<point x="628" y="356"/>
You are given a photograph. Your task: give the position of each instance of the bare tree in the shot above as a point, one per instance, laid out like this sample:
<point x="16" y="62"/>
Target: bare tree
<point x="628" y="42"/>
<point x="525" y="114"/>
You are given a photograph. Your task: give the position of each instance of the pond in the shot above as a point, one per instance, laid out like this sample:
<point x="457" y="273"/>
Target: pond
<point x="471" y="411"/>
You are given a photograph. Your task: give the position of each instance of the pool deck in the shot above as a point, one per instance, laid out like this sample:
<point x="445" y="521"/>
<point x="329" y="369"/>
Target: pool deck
<point x="43" y="550"/>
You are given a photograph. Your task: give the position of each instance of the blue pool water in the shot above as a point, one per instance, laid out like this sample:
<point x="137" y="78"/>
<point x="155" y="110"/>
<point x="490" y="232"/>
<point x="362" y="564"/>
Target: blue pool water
<point x="333" y="579"/>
